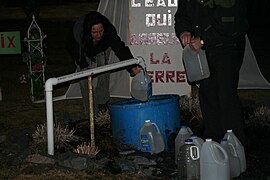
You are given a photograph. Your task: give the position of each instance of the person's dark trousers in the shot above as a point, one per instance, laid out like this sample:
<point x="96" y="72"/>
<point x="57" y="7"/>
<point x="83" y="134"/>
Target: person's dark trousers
<point x="220" y="104"/>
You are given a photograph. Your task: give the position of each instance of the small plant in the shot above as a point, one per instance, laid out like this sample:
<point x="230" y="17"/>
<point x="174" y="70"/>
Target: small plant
<point x="103" y="119"/>
<point x="191" y="112"/>
<point x="261" y="117"/>
<point x="62" y="136"/>
<point x="84" y="148"/>
<point x="192" y="105"/>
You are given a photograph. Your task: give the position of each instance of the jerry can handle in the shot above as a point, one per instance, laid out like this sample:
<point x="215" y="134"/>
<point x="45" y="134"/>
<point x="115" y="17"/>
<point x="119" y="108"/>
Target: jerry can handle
<point x="194" y="156"/>
<point x="156" y="127"/>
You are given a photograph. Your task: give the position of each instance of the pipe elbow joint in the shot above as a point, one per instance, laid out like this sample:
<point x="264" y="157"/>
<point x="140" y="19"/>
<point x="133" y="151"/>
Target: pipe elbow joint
<point x="49" y="84"/>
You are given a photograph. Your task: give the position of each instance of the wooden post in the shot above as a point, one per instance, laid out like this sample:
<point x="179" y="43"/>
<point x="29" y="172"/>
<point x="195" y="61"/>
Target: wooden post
<point x="91" y="112"/>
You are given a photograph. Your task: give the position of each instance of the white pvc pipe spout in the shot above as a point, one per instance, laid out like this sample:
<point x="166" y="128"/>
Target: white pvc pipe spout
<point x="54" y="81"/>
<point x="49" y="112"/>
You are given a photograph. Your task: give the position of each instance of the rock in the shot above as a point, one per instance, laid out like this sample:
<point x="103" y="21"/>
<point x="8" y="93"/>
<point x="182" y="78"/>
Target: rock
<point x="78" y="163"/>
<point x="39" y="159"/>
<point x="139" y="160"/>
<point x="125" y="165"/>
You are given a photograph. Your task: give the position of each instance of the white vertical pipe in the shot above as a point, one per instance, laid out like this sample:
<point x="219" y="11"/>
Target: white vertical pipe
<point x="50" y="134"/>
<point x="49" y="112"/>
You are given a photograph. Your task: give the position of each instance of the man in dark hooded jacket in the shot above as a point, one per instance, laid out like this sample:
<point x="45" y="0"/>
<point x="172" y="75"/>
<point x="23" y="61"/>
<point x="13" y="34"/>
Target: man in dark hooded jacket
<point x="90" y="42"/>
<point x="219" y="27"/>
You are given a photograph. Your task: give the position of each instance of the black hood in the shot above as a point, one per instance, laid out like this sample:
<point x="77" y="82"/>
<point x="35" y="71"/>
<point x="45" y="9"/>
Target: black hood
<point x="93" y="18"/>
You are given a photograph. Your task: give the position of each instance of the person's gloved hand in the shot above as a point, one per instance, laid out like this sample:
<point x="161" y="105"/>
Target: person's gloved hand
<point x="196" y="43"/>
<point x="185" y="38"/>
<point x="135" y="70"/>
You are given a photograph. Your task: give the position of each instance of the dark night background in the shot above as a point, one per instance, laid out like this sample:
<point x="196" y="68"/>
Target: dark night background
<point x="17" y="111"/>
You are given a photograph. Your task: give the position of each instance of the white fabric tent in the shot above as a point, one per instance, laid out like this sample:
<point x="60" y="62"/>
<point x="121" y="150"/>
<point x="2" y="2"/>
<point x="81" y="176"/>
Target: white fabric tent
<point x="118" y="13"/>
<point x="250" y="74"/>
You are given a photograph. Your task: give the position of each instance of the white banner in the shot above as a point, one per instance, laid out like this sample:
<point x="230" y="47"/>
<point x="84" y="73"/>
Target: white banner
<point x="152" y="36"/>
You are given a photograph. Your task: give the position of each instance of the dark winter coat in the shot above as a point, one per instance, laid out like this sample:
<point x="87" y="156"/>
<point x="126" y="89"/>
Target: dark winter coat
<point x="80" y="44"/>
<point x="203" y="19"/>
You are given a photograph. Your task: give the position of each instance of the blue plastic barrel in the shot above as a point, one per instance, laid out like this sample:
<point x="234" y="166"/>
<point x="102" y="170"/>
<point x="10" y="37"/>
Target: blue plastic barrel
<point x="128" y="116"/>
